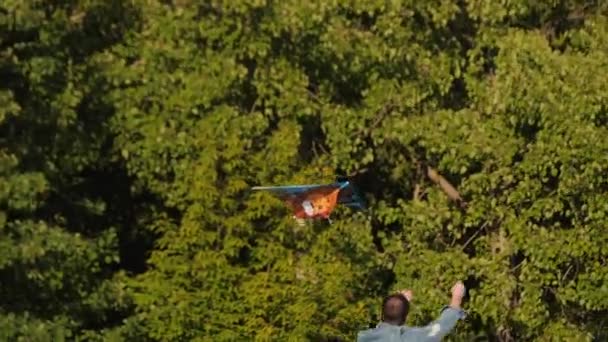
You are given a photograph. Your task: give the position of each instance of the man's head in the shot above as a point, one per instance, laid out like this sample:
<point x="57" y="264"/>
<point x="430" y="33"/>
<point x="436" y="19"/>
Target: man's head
<point x="395" y="309"/>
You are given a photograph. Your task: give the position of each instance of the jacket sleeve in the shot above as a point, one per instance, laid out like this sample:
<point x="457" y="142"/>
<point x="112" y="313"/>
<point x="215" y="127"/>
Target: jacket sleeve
<point x="439" y="328"/>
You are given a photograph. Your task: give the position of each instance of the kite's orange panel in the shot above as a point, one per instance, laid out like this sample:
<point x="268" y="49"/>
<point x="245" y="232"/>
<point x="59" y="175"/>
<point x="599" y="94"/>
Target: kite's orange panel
<point x="323" y="201"/>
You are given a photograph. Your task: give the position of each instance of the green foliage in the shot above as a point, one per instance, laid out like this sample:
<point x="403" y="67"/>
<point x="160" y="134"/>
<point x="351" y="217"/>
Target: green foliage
<point x="59" y="240"/>
<point x="132" y="132"/>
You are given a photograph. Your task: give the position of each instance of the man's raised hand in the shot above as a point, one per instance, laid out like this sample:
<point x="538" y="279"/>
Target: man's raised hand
<point x="458" y="292"/>
<point x="407" y="294"/>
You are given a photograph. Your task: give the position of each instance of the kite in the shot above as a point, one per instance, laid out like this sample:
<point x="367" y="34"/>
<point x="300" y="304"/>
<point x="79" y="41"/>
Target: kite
<point x="316" y="201"/>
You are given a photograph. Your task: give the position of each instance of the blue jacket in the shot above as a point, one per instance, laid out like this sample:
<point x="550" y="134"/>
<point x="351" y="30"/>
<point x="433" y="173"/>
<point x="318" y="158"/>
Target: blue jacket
<point x="435" y="331"/>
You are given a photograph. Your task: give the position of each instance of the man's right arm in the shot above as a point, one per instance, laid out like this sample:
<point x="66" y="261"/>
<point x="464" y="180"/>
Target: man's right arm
<point x="439" y="328"/>
<point x="450" y="315"/>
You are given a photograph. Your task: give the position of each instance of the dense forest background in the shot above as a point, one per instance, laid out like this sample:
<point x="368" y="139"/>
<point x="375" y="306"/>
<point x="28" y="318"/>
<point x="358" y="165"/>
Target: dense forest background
<point x="132" y="131"/>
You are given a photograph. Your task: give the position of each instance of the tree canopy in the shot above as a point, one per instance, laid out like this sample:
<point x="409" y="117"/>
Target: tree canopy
<point x="132" y="131"/>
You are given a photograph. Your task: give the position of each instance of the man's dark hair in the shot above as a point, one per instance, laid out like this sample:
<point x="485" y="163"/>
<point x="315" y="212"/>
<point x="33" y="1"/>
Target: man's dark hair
<point x="395" y="309"/>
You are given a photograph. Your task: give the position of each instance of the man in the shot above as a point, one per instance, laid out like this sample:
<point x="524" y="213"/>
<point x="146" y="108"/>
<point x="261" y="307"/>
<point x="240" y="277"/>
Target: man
<point x="394" y="312"/>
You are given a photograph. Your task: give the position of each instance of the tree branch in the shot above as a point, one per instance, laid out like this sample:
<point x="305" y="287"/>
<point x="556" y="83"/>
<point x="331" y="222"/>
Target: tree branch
<point x="446" y="186"/>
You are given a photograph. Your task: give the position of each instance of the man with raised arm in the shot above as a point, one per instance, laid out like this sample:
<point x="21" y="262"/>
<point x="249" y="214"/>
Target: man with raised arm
<point x="394" y="312"/>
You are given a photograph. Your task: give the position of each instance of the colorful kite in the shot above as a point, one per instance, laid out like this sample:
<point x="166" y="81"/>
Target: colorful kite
<point x="316" y="201"/>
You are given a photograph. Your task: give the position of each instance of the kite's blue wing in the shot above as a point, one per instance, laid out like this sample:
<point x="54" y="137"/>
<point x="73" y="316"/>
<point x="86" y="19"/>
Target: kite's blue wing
<point x="287" y="190"/>
<point x="350" y="197"/>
